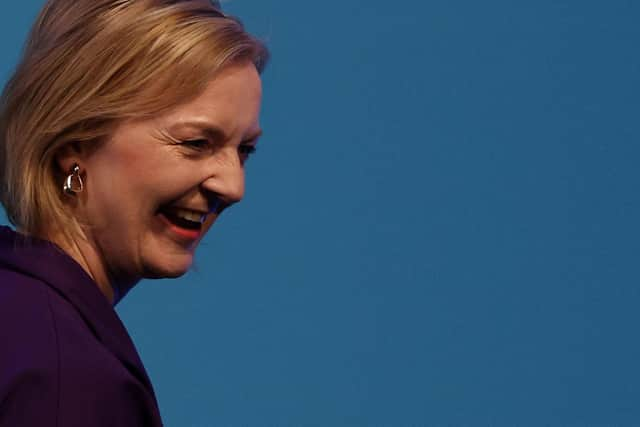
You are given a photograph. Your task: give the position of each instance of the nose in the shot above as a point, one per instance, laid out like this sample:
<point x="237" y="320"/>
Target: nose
<point x="225" y="179"/>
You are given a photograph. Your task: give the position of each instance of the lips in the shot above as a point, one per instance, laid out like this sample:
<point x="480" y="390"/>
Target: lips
<point x="186" y="223"/>
<point x="185" y="217"/>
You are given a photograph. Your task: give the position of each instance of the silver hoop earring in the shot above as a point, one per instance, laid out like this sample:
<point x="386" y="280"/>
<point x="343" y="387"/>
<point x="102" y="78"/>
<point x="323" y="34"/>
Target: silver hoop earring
<point x="73" y="184"/>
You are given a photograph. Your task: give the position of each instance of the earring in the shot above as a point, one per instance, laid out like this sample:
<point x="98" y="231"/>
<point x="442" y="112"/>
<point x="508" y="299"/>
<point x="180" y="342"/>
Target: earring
<point x="73" y="184"/>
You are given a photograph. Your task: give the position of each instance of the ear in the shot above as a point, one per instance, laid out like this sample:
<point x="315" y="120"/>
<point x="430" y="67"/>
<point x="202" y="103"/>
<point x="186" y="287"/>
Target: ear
<point x="68" y="155"/>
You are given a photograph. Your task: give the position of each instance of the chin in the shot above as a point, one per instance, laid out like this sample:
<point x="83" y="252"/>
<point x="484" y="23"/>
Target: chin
<point x="170" y="269"/>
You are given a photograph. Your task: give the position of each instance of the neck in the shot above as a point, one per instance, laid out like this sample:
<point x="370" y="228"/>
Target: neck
<point x="89" y="257"/>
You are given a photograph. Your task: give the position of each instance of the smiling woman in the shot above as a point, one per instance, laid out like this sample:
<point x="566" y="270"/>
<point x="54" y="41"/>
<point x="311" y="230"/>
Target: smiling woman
<point x="150" y="227"/>
<point x="124" y="134"/>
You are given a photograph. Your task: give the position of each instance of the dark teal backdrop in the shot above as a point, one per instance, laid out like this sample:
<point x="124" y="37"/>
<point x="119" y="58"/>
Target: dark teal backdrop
<point x="440" y="227"/>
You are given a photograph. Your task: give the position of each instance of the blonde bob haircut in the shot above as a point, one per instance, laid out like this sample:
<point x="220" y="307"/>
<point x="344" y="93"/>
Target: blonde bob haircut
<point x="91" y="64"/>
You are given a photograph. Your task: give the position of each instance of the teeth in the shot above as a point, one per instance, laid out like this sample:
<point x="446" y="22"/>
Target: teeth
<point x="189" y="215"/>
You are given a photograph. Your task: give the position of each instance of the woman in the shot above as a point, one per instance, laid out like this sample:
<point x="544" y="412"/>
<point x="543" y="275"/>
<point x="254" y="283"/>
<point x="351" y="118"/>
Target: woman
<point x="124" y="133"/>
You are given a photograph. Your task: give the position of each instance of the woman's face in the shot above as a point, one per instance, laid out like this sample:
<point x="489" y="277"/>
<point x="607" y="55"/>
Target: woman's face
<point x="156" y="187"/>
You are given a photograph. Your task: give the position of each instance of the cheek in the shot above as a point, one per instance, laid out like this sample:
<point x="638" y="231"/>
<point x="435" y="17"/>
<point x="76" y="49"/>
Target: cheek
<point x="120" y="177"/>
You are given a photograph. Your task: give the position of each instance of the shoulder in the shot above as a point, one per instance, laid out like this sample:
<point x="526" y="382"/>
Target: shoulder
<point x="53" y="367"/>
<point x="29" y="352"/>
<point x="25" y="312"/>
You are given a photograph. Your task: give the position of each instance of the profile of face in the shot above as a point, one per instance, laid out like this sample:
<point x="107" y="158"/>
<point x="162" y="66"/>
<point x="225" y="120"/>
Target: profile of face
<point x="156" y="186"/>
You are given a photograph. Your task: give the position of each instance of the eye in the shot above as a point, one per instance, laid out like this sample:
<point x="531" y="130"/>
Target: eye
<point x="198" y="144"/>
<point x="246" y="150"/>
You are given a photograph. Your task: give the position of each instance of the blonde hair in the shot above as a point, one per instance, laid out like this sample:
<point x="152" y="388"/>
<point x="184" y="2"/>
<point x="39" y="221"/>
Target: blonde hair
<point x="87" y="66"/>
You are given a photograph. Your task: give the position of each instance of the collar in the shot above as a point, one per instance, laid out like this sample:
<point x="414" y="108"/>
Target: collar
<point x="48" y="263"/>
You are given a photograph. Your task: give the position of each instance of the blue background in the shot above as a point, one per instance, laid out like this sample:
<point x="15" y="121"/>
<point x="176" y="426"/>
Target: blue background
<point x="440" y="228"/>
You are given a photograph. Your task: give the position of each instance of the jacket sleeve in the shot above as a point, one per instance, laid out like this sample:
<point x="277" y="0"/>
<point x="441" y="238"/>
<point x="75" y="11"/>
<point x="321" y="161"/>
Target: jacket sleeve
<point x="29" y="374"/>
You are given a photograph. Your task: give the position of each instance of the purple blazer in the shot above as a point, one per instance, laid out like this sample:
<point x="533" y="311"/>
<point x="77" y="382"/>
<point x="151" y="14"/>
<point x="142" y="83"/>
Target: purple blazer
<point x="65" y="357"/>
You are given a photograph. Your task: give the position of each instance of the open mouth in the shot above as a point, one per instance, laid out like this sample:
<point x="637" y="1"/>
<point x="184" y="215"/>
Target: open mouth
<point x="183" y="218"/>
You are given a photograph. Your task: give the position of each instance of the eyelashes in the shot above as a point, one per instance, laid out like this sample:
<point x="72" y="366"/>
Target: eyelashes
<point x="198" y="144"/>
<point x="245" y="149"/>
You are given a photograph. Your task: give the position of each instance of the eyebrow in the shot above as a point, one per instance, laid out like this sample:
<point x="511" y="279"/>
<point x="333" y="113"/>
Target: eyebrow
<point x="211" y="131"/>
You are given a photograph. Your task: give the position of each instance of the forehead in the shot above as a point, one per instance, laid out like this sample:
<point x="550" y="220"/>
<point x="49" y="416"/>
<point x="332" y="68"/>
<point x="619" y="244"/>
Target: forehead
<point x="231" y="100"/>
